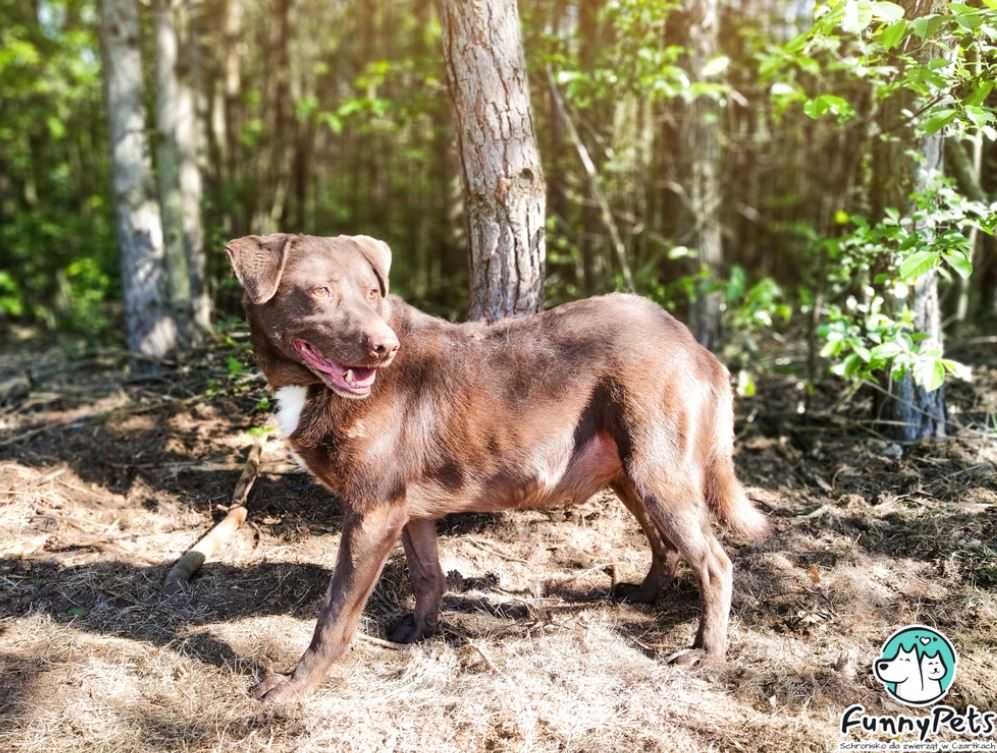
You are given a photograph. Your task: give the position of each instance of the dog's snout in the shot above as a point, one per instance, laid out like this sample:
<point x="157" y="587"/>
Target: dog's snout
<point x="382" y="345"/>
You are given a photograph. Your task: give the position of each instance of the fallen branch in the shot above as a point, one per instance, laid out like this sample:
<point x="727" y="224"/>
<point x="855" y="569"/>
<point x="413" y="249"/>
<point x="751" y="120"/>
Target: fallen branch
<point x="381" y="643"/>
<point x="191" y="560"/>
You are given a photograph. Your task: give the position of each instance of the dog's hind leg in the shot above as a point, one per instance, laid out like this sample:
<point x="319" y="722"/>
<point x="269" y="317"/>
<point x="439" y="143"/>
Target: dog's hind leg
<point x="679" y="512"/>
<point x="428" y="583"/>
<point x="664" y="557"/>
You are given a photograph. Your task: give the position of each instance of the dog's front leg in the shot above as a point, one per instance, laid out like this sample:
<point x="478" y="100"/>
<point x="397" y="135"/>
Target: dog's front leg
<point x="367" y="540"/>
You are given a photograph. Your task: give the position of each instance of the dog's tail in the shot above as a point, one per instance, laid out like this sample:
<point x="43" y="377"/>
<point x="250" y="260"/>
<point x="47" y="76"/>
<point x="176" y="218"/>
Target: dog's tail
<point x="729" y="503"/>
<point x="724" y="493"/>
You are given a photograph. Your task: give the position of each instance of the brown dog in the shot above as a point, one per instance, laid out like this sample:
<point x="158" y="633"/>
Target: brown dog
<point x="407" y="418"/>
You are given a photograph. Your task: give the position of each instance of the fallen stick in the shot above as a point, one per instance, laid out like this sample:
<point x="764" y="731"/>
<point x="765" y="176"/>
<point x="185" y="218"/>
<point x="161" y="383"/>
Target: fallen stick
<point x="373" y="640"/>
<point x="191" y="560"/>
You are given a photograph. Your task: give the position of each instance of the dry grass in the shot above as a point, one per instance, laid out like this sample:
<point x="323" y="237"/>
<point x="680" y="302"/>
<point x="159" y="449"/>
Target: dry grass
<point x="533" y="656"/>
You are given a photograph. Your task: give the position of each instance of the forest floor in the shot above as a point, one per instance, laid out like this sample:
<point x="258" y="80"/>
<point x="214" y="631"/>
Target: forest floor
<point x="106" y="476"/>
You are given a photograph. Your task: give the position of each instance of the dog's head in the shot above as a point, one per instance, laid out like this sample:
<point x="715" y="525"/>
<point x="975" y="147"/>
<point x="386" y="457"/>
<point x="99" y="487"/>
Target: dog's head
<point x="900" y="668"/>
<point x="319" y="305"/>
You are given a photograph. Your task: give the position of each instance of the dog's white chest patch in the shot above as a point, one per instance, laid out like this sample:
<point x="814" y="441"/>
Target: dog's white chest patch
<point x="290" y="402"/>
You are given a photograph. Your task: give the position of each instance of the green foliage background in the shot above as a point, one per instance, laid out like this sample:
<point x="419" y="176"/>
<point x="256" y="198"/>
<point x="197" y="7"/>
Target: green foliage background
<point x="813" y="239"/>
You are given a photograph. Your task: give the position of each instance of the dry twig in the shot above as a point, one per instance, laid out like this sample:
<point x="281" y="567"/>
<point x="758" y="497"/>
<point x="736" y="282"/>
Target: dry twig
<point x="191" y="560"/>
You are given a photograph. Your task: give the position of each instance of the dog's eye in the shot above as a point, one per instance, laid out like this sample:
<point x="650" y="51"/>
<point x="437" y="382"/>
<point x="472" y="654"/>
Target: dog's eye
<point x="320" y="292"/>
<point x="373" y="294"/>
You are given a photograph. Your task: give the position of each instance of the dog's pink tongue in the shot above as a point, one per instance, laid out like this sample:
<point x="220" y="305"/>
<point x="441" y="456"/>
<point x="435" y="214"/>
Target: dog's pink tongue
<point x="317" y="360"/>
<point x="363" y="377"/>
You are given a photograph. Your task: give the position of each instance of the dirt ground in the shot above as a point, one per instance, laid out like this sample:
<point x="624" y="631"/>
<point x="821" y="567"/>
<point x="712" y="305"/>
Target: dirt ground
<point x="107" y="475"/>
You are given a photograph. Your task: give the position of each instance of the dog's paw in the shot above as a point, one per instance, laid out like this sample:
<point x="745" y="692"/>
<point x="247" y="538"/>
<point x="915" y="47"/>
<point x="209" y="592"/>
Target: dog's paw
<point x="275" y="689"/>
<point x="408" y="630"/>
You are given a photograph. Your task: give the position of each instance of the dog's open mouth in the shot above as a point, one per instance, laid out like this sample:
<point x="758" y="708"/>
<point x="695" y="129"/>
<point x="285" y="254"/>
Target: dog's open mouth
<point x="354" y="381"/>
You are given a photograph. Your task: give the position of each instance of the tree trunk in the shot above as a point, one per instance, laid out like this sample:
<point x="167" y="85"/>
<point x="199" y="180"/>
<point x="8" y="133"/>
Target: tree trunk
<point x="282" y="129"/>
<point x="168" y="152"/>
<point x="189" y="136"/>
<point x="232" y="33"/>
<point x="911" y="413"/>
<point x="503" y="180"/>
<point x="150" y="327"/>
<point x="704" y="187"/>
<point x="966" y="171"/>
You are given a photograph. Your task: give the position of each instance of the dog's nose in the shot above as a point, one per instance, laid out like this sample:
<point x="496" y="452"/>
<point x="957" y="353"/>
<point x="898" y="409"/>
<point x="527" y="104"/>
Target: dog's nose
<point x="382" y="346"/>
<point x="883" y="666"/>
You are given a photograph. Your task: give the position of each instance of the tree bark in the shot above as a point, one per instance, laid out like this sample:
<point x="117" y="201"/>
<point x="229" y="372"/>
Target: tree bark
<point x="704" y="186"/>
<point x="910" y="413"/>
<point x="503" y="180"/>
<point x="966" y="170"/>
<point x="189" y="135"/>
<point x="168" y="164"/>
<point x="915" y="413"/>
<point x="150" y="327"/>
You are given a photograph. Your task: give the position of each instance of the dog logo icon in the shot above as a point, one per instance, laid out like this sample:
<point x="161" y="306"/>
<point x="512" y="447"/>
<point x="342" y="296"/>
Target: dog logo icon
<point x="916" y="665"/>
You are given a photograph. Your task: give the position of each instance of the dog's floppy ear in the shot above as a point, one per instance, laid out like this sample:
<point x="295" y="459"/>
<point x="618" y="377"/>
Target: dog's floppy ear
<point x="378" y="254"/>
<point x="258" y="261"/>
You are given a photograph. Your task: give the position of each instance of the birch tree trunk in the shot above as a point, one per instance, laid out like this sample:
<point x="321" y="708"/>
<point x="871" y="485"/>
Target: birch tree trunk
<point x="704" y="187"/>
<point x="150" y="327"/>
<point x="168" y="164"/>
<point x="910" y="412"/>
<point x="504" y="187"/>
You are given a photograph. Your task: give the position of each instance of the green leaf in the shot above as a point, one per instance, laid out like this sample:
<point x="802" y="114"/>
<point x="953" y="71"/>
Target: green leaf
<point x="831" y="348"/>
<point x="927" y="26"/>
<point x="234" y="366"/>
<point x="746" y="384"/>
<point x="937" y="376"/>
<point x="917" y="264"/>
<point x="852" y="366"/>
<point x="967" y="16"/>
<point x="891" y="35"/>
<point x="980" y="93"/>
<point x="886" y="351"/>
<point x="929" y="373"/>
<point x="960" y="262"/>
<point x="938" y="119"/>
<point x="828" y="103"/>
<point x="980" y="116"/>
<point x="958" y="370"/>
